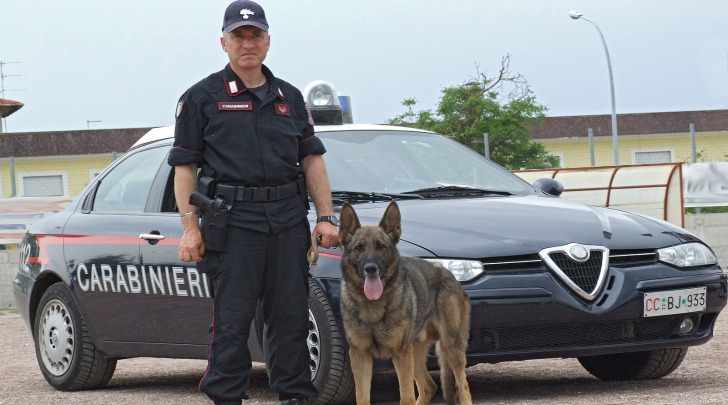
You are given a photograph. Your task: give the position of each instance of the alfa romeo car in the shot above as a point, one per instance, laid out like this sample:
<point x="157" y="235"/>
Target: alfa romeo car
<point x="625" y="294"/>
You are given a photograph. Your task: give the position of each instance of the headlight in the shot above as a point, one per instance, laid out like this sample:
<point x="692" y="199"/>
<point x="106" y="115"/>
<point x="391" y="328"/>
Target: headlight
<point x="687" y="255"/>
<point x="463" y="270"/>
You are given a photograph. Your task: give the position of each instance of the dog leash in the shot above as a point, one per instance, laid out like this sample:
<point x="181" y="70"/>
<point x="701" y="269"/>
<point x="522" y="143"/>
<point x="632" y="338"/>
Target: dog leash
<point x="313" y="253"/>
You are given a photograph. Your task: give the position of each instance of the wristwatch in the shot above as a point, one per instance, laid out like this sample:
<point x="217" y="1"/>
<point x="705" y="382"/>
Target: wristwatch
<point x="328" y="218"/>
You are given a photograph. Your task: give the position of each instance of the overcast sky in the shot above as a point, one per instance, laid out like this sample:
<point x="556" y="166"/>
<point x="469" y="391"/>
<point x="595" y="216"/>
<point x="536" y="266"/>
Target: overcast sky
<point x="126" y="62"/>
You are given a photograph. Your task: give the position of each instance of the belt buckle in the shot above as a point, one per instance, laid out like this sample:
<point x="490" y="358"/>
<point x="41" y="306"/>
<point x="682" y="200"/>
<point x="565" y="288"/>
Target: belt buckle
<point x="260" y="194"/>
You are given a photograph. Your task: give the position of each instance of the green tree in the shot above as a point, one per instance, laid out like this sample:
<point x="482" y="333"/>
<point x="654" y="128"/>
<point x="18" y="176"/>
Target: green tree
<point x="504" y="107"/>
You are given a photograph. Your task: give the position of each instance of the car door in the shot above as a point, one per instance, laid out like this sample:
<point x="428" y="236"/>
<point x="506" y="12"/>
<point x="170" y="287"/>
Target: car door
<point x="180" y="309"/>
<point x="101" y="246"/>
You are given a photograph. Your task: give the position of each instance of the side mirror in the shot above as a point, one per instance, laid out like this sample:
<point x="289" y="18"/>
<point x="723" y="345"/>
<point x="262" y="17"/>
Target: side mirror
<point x="549" y="186"/>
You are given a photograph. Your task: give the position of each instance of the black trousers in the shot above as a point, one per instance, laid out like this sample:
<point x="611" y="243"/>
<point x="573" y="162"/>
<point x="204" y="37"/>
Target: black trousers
<point x="271" y="267"/>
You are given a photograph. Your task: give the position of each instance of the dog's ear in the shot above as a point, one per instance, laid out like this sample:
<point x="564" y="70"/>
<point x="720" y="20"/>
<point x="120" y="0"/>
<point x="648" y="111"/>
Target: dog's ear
<point x="391" y="222"/>
<point x="348" y="223"/>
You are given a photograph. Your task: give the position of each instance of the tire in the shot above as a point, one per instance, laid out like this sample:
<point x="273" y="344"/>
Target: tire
<point x="330" y="368"/>
<point x="67" y="358"/>
<point x="647" y="365"/>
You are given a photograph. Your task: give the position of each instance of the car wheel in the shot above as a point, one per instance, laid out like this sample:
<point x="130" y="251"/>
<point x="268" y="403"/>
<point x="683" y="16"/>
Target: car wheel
<point x="647" y="365"/>
<point x="330" y="369"/>
<point x="66" y="356"/>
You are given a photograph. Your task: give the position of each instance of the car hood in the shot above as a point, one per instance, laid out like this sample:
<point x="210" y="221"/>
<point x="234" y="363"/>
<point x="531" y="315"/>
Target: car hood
<point x="519" y="225"/>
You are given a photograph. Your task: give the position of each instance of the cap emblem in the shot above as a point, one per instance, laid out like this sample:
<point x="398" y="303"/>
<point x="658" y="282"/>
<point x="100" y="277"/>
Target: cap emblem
<point x="246" y="13"/>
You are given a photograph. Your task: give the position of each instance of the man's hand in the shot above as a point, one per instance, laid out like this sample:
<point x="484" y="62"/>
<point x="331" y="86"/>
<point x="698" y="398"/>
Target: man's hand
<point x="329" y="234"/>
<point x="191" y="247"/>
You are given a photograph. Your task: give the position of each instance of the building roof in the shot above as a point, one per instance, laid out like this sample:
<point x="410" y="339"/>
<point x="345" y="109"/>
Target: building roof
<point x="8" y="107"/>
<point x="60" y="143"/>
<point x="631" y="124"/>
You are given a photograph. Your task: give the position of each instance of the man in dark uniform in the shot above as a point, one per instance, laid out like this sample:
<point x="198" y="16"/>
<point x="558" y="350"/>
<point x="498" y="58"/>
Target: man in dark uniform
<point x="250" y="131"/>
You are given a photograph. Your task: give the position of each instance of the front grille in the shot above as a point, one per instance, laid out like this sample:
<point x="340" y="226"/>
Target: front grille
<point x="619" y="258"/>
<point x="537" y="338"/>
<point x="583" y="268"/>
<point x="624" y="258"/>
<point x="512" y="263"/>
<point x="584" y="275"/>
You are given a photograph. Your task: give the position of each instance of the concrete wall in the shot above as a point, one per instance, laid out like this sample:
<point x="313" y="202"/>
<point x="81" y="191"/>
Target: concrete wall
<point x="712" y="228"/>
<point x="8" y="268"/>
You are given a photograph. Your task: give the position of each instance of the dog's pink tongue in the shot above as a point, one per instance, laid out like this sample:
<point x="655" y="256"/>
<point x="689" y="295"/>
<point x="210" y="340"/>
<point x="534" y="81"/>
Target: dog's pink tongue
<point x="373" y="287"/>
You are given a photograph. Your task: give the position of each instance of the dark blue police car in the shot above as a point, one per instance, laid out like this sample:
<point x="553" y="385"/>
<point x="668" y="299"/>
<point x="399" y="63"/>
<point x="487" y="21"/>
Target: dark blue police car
<point x="547" y="278"/>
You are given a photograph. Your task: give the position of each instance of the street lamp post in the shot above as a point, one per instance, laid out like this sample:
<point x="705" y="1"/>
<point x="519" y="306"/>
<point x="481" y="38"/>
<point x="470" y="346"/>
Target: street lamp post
<point x="615" y="143"/>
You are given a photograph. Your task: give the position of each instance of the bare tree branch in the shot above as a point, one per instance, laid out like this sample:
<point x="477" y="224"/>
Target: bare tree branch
<point x="484" y="84"/>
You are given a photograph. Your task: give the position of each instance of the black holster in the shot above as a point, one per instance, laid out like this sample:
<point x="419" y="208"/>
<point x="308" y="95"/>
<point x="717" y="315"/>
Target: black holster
<point x="213" y="220"/>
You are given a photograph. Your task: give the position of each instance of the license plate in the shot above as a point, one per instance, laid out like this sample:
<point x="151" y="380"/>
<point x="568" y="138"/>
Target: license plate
<point x="675" y="302"/>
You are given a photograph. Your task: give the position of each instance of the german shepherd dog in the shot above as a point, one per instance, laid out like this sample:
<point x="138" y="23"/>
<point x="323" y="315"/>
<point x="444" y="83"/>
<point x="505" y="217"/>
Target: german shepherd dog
<point x="398" y="307"/>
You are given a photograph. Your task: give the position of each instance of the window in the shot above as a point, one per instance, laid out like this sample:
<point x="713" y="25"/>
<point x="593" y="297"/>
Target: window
<point x="652" y="156"/>
<point x="43" y="184"/>
<point x="402" y="161"/>
<point x="126" y="187"/>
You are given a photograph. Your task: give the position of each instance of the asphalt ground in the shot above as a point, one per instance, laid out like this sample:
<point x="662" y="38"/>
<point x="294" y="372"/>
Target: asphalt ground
<point x="701" y="379"/>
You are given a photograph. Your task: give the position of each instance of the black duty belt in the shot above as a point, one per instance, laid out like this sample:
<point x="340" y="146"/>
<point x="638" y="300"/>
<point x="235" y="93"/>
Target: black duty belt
<point x="256" y="194"/>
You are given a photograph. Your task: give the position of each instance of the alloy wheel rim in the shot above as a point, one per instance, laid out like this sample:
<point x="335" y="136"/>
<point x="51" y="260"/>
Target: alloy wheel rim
<point x="314" y="344"/>
<point x="56" y="337"/>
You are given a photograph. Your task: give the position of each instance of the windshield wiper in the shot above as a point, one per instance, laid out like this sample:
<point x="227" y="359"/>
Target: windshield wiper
<point x="455" y="191"/>
<point x="340" y="196"/>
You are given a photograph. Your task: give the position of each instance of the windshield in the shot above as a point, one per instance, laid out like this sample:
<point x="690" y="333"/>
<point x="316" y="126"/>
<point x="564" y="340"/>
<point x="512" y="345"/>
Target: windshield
<point x="391" y="161"/>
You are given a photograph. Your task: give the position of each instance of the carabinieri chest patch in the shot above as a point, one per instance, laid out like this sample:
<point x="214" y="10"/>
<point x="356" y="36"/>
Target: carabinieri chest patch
<point x="235" y="106"/>
<point x="283" y="109"/>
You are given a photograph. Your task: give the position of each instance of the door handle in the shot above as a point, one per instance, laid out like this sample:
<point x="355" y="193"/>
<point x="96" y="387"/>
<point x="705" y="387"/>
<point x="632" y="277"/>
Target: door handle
<point x="151" y="236"/>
